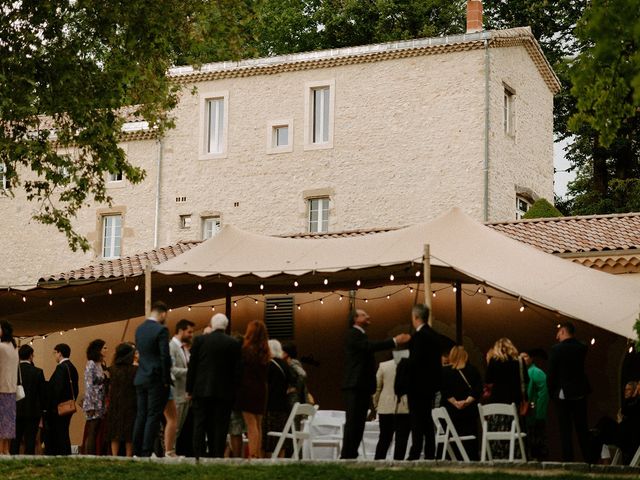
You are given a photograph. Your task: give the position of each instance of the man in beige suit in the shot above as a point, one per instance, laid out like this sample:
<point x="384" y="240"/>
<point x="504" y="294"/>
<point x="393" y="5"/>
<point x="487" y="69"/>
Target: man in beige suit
<point x="393" y="413"/>
<point x="179" y="365"/>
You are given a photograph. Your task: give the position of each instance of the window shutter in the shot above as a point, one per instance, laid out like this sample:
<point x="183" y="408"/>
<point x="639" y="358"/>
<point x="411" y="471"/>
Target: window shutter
<point x="278" y="317"/>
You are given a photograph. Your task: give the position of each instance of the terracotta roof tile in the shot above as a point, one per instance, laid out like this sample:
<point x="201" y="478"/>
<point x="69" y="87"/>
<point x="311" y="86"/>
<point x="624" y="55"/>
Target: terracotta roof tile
<point x="594" y="233"/>
<point x="120" y="267"/>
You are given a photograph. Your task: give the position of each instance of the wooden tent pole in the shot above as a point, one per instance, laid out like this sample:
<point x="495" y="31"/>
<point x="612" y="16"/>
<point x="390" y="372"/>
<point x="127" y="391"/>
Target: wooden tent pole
<point x="147" y="289"/>
<point x="427" y="280"/>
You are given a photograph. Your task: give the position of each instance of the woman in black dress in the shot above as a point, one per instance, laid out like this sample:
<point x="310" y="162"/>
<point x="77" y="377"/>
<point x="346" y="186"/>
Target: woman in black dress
<point x="461" y="389"/>
<point x="279" y="381"/>
<point x="122" y="399"/>
<point x="505" y="374"/>
<point x="251" y="399"/>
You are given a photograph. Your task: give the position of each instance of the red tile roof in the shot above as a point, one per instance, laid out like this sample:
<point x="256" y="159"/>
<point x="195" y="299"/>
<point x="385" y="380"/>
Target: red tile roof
<point x="594" y="233"/>
<point x="121" y="267"/>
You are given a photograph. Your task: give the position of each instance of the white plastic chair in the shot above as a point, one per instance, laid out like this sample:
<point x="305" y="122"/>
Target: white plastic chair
<point x="635" y="461"/>
<point x="446" y="433"/>
<point x="513" y="434"/>
<point x="290" y="432"/>
<point x="332" y="440"/>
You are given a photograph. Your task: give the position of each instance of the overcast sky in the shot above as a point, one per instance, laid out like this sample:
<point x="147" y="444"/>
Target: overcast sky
<point x="560" y="163"/>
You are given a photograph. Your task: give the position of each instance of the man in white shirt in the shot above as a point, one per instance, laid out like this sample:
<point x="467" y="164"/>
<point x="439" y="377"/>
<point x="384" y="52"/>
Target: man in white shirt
<point x="179" y="365"/>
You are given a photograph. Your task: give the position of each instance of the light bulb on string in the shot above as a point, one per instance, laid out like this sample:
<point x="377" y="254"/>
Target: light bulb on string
<point x="295" y="284"/>
<point x="558" y="326"/>
<point x="235" y="304"/>
<point x="522" y="307"/>
<point x="358" y="283"/>
<point x="631" y="349"/>
<point x="61" y="332"/>
<point x="213" y="308"/>
<point x="170" y="310"/>
<point x="488" y="300"/>
<point x="322" y="301"/>
<point x="256" y="302"/>
<point x="433" y="294"/>
<point x="410" y="289"/>
<point x="275" y="307"/>
<point x="261" y="286"/>
<point x="136" y="288"/>
<point x="391" y="277"/>
<point x="455" y="289"/>
<point x="31" y="342"/>
<point x="418" y="273"/>
<point x="74" y="329"/>
<point x="170" y="289"/>
<point x="199" y="286"/>
<point x="51" y="303"/>
<point x="366" y="300"/>
<point x="82" y="299"/>
<point x="388" y="297"/>
<point x="299" y="307"/>
<point x="340" y="299"/>
<point x="481" y="289"/>
<point x="24" y="299"/>
<point x="110" y="292"/>
<point x="593" y="341"/>
<point x="230" y="284"/>
<point x="44" y="338"/>
<point x="326" y="281"/>
<point x="189" y="308"/>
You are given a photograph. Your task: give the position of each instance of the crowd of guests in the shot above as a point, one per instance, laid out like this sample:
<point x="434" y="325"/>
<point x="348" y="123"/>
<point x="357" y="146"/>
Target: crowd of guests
<point x="212" y="391"/>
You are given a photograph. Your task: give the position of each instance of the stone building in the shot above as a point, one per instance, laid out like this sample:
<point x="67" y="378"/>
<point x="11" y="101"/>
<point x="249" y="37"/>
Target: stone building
<point x="373" y="136"/>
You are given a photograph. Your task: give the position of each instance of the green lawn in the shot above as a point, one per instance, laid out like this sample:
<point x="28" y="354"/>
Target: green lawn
<point x="90" y="469"/>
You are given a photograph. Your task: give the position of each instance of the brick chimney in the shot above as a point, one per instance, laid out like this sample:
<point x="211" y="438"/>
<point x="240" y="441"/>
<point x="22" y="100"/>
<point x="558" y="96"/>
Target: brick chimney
<point x="474" y="16"/>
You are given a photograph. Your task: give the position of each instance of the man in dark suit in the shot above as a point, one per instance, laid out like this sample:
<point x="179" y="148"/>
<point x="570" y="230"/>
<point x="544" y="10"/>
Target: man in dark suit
<point x="152" y="380"/>
<point x="425" y="374"/>
<point x="29" y="409"/>
<point x="569" y="387"/>
<point x="360" y="379"/>
<point x="63" y="386"/>
<point x="214" y="370"/>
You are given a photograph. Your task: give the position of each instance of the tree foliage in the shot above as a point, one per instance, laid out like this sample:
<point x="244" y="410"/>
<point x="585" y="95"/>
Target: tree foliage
<point x="73" y="71"/>
<point x="541" y="208"/>
<point x="288" y="26"/>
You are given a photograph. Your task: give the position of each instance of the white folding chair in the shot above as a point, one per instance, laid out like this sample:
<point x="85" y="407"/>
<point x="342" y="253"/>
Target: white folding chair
<point x="333" y="439"/>
<point x="513" y="434"/>
<point x="635" y="461"/>
<point x="290" y="432"/>
<point x="446" y="433"/>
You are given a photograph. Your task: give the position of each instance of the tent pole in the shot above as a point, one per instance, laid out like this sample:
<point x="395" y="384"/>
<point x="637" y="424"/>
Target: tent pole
<point x="147" y="289"/>
<point x="458" y="312"/>
<point x="227" y="307"/>
<point x="427" y="280"/>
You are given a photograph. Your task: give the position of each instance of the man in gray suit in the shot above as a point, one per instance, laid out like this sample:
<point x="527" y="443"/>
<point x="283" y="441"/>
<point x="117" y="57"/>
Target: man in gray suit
<point x="179" y="365"/>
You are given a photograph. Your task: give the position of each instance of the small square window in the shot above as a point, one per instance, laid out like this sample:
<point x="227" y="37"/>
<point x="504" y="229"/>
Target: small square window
<point x="115" y="177"/>
<point x="185" y="221"/>
<point x="522" y="207"/>
<point x="280" y="136"/>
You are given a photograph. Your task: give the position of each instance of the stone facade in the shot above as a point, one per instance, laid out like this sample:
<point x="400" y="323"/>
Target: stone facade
<point x="407" y="144"/>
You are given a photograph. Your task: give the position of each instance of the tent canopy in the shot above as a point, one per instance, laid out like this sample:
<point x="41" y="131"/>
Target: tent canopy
<point x="238" y="263"/>
<point x="460" y="248"/>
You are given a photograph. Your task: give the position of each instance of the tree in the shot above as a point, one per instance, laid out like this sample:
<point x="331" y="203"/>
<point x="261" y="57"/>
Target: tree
<point x="288" y="26"/>
<point x="541" y="208"/>
<point x="72" y="72"/>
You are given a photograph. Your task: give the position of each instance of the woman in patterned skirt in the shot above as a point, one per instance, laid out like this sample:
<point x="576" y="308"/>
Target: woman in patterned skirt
<point x="8" y="386"/>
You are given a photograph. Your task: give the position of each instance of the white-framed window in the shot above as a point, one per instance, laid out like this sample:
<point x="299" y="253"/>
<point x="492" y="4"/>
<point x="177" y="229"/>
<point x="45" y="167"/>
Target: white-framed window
<point x="214" y="122"/>
<point x="4" y="179"/>
<point x="319" y="114"/>
<point x="210" y="227"/>
<point x="185" y="221"/>
<point x="522" y="206"/>
<point x="318" y="214"/>
<point x="111" y="236"/>
<point x="509" y="111"/>
<point x="280" y="136"/>
<point x="115" y="177"/>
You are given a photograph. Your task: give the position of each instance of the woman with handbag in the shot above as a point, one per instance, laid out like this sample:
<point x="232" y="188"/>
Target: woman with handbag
<point x="461" y="389"/>
<point x="96" y="378"/>
<point x="8" y="386"/>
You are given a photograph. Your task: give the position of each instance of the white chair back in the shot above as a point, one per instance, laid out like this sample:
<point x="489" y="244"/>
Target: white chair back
<point x="511" y="435"/>
<point x="290" y="431"/>
<point x="446" y="433"/>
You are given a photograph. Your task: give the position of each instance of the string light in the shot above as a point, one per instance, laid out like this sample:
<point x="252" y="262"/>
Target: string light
<point x="410" y="289"/>
<point x="326" y="281"/>
<point x="261" y="286"/>
<point x="24" y="299"/>
<point x="61" y="333"/>
<point x="357" y="283"/>
<point x="275" y="307"/>
<point x="388" y="297"/>
<point x="391" y="277"/>
<point x="51" y="303"/>
<point x="418" y="273"/>
<point x="75" y="329"/>
<point x="235" y="304"/>
<point x="295" y="284"/>
<point x="558" y="326"/>
<point x="170" y="289"/>
<point x="340" y="299"/>
<point x="455" y="289"/>
<point x="44" y="338"/>
<point x="366" y="300"/>
<point x="82" y="299"/>
<point x="488" y="300"/>
<point x="593" y="341"/>
<point x="299" y="307"/>
<point x="433" y="294"/>
<point x="481" y="289"/>
<point x="230" y="284"/>
<point x="136" y="288"/>
<point x="189" y="308"/>
<point x="522" y="307"/>
<point x="170" y="310"/>
<point x="110" y="291"/>
<point x="256" y="302"/>
<point x="631" y="349"/>
<point x="213" y="308"/>
<point x="322" y="301"/>
<point x="199" y="286"/>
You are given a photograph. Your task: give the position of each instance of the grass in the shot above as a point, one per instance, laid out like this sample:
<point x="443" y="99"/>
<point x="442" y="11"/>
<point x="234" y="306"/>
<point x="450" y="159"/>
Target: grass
<point x="99" y="469"/>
